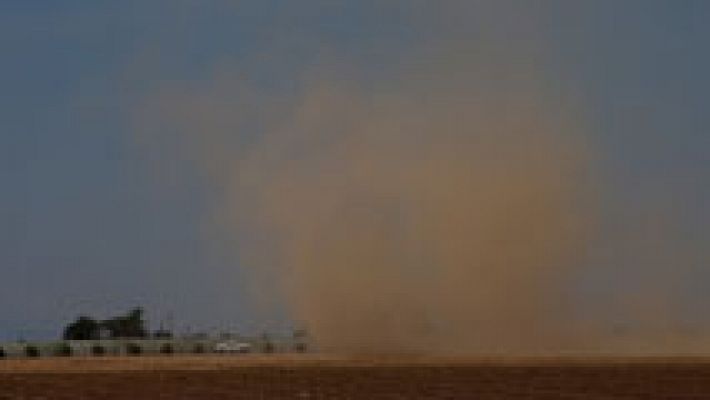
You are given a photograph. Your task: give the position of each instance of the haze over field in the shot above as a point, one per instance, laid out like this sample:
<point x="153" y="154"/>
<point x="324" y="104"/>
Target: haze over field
<point x="449" y="177"/>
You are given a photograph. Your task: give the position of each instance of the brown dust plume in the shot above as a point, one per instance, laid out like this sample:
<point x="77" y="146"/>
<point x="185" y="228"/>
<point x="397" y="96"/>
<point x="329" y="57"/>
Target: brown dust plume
<point x="432" y="192"/>
<point x="408" y="225"/>
<point x="444" y="211"/>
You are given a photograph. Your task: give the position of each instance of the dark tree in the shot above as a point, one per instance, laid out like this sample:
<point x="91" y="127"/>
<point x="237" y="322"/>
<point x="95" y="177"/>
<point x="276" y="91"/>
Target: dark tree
<point x="133" y="349"/>
<point x="84" y="328"/>
<point x="300" y="337"/>
<point x="98" y="350"/>
<point x="267" y="345"/>
<point x="63" y="350"/>
<point x="130" y="325"/>
<point x="2" y="352"/>
<point x="167" y="348"/>
<point x="31" y="351"/>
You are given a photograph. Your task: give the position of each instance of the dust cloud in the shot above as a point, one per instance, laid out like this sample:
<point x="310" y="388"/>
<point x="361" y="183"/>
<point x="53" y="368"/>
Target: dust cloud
<point x="447" y="211"/>
<point x="419" y="219"/>
<point x="408" y="225"/>
<point x="444" y="212"/>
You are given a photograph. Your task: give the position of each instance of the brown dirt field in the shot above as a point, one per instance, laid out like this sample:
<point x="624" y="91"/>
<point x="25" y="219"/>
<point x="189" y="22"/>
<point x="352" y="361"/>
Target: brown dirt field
<point x="318" y="377"/>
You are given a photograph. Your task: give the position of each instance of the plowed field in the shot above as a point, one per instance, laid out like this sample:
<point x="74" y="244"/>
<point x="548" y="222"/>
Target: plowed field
<point x="308" y="377"/>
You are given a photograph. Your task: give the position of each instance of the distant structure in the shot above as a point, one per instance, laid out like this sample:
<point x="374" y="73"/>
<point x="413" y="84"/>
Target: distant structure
<point x="126" y="335"/>
<point x="130" y="325"/>
<point x="153" y="346"/>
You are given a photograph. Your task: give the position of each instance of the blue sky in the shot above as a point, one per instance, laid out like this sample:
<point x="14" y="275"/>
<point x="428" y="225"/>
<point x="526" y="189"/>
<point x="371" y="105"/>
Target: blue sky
<point x="89" y="223"/>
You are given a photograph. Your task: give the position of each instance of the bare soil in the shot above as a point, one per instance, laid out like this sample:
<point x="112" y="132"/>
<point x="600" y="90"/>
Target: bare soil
<point x="318" y="377"/>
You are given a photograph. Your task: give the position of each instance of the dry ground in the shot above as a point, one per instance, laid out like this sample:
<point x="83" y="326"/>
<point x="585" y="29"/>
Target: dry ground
<point x="318" y="377"/>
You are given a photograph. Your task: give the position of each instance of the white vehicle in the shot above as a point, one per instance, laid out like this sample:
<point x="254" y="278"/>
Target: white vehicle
<point x="232" y="347"/>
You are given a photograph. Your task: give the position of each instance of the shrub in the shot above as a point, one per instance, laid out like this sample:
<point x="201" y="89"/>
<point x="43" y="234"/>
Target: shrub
<point x="63" y="350"/>
<point x="300" y="347"/>
<point x="31" y="351"/>
<point x="133" y="349"/>
<point x="84" y="328"/>
<point x="98" y="350"/>
<point x="2" y="353"/>
<point x="268" y="347"/>
<point x="166" y="348"/>
<point x="199" y="348"/>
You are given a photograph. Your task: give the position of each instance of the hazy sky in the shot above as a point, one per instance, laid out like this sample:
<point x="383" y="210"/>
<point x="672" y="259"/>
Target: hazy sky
<point x="93" y="222"/>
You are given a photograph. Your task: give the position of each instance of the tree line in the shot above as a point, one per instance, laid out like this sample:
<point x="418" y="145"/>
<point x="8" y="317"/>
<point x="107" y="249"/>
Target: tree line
<point x="129" y="325"/>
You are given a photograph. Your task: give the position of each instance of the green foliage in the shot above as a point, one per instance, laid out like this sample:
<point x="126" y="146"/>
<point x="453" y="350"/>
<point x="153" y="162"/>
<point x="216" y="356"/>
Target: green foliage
<point x="31" y="351"/>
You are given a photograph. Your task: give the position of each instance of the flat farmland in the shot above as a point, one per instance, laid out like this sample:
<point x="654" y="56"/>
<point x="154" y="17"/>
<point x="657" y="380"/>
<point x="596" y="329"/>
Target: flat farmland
<point x="319" y="377"/>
